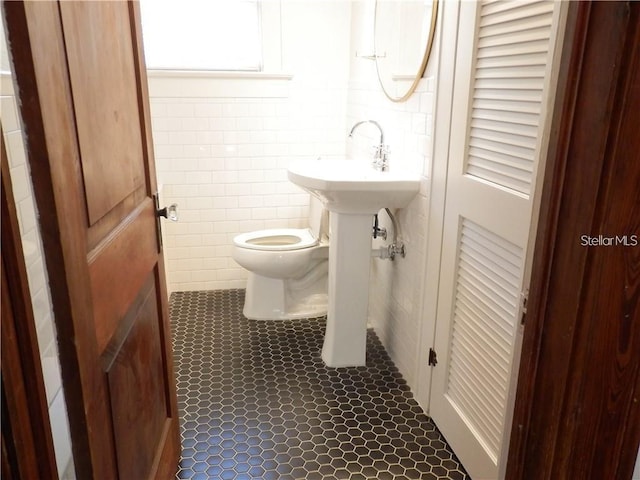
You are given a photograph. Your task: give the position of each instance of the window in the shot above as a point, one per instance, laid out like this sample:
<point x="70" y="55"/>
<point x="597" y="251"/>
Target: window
<point x="202" y="34"/>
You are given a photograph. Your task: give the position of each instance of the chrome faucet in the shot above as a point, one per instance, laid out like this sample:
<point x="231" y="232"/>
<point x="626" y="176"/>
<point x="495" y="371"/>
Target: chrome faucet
<point x="381" y="152"/>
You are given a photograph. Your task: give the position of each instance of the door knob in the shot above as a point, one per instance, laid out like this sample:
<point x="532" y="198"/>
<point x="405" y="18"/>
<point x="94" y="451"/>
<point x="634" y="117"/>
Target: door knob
<point x="170" y="212"/>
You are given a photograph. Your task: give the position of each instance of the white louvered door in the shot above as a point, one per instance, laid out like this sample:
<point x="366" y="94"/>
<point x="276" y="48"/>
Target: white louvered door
<point x="502" y="81"/>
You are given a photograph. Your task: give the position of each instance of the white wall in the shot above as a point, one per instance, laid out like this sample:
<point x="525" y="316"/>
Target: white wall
<point x="34" y="260"/>
<point x="222" y="145"/>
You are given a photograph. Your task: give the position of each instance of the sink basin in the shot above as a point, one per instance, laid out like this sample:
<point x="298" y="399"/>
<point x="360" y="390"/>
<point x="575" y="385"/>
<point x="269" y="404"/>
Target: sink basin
<point x="353" y="186"/>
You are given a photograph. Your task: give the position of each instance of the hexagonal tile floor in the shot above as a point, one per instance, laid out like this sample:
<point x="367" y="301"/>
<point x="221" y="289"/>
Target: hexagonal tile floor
<point x="257" y="402"/>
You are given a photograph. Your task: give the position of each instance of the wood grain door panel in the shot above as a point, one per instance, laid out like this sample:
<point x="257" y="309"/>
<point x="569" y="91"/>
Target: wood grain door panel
<point x="119" y="267"/>
<point x="101" y="70"/>
<point x="134" y="367"/>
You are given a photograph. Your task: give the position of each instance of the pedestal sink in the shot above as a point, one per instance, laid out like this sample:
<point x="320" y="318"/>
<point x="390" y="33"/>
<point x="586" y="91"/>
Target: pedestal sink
<point x="353" y="192"/>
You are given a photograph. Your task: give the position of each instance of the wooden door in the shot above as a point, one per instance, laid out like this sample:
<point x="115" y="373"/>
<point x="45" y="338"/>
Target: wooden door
<point x="27" y="444"/>
<point x="578" y="402"/>
<point x="81" y="79"/>
<point x="502" y="94"/>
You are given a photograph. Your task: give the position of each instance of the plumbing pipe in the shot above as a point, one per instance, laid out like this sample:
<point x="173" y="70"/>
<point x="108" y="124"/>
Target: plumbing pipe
<point x="395" y="225"/>
<point x="378" y="231"/>
<point x="381" y="252"/>
<point x="389" y="251"/>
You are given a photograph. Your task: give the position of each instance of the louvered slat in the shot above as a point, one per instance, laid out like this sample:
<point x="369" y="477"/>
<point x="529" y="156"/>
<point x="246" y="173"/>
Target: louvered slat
<point x="519" y="118"/>
<point x="485" y="315"/>
<point x="469" y="354"/>
<point x="506" y="128"/>
<point x="508" y="79"/>
<point x="506" y="106"/>
<point x="514" y="37"/>
<point x="515" y="98"/>
<point x="509" y="10"/>
<point x="490" y="28"/>
<point x="479" y="277"/>
<point x="486" y="348"/>
<point x="499" y="340"/>
<point x="476" y="415"/>
<point x="510" y="151"/>
<point x="472" y="376"/>
<point x="521" y="60"/>
<point x="516" y="72"/>
<point x="476" y="270"/>
<point x="515" y="83"/>
<point x="486" y="305"/>
<point x="506" y="49"/>
<point x="507" y="160"/>
<point x="507" y="139"/>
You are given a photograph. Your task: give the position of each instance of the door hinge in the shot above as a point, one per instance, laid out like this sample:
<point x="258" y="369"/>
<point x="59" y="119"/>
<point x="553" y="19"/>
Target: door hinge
<point x="524" y="297"/>
<point x="433" y="358"/>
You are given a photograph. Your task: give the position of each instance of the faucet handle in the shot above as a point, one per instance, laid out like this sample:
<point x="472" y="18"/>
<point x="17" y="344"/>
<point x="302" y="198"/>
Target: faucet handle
<point x="381" y="149"/>
<point x="381" y="158"/>
<point x="378" y="151"/>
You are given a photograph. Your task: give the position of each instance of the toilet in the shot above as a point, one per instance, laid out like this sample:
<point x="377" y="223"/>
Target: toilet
<point x="288" y="269"/>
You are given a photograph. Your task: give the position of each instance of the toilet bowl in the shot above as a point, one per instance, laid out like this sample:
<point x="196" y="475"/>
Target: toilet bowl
<point x="288" y="269"/>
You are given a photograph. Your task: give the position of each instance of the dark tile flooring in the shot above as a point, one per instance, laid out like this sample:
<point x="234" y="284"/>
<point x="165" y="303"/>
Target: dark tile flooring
<point x="257" y="402"/>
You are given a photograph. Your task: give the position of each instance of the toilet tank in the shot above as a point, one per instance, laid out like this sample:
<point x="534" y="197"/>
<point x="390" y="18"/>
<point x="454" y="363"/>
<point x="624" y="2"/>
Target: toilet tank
<point x="318" y="218"/>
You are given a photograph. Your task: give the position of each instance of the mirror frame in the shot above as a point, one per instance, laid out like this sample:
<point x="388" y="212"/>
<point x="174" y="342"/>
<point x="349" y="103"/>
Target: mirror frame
<point x="425" y="57"/>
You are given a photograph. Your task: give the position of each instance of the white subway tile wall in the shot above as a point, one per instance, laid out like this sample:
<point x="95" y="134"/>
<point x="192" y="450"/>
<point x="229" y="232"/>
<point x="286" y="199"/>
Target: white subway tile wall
<point x="224" y="161"/>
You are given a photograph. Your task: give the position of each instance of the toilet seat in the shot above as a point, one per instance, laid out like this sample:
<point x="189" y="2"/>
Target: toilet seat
<point x="277" y="239"/>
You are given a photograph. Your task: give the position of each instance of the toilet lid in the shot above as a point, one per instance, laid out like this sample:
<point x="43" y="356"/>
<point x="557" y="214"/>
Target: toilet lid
<point x="277" y="239"/>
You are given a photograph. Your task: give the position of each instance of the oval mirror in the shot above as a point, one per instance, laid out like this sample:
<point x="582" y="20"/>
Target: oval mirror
<point x="403" y="35"/>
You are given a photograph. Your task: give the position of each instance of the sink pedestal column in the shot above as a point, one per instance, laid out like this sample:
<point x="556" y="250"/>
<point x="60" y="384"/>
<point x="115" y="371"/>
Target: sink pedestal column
<point x="349" y="263"/>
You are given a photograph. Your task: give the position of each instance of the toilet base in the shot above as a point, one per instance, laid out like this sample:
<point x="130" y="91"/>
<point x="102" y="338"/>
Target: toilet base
<point x="284" y="299"/>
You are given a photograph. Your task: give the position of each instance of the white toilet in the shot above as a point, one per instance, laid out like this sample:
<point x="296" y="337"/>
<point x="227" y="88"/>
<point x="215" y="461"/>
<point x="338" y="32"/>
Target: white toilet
<point x="287" y="269"/>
